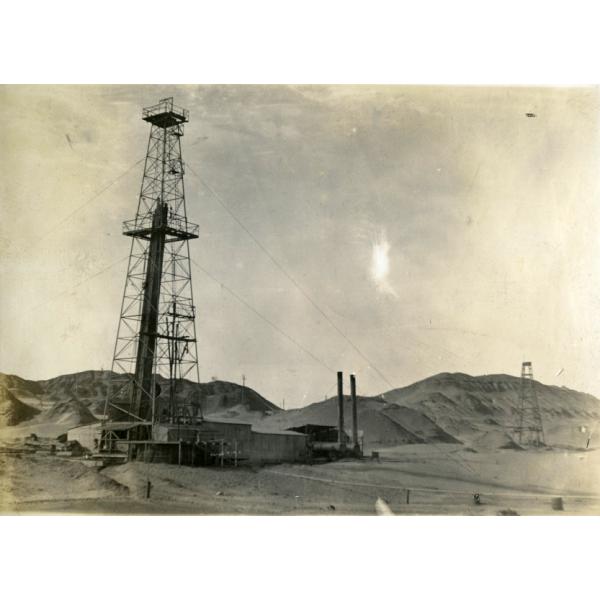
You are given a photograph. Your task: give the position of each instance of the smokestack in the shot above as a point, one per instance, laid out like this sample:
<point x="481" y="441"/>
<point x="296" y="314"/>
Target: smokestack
<point x="354" y="413"/>
<point x="340" y="385"/>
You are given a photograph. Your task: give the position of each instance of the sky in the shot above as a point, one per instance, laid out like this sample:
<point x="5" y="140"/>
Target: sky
<point x="439" y="229"/>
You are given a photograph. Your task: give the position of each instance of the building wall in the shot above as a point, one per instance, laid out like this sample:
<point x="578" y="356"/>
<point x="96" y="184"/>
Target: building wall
<point x="277" y="447"/>
<point x="85" y="435"/>
<point x="235" y="435"/>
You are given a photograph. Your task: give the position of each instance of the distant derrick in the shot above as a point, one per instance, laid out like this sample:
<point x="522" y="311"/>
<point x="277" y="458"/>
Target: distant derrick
<point x="530" y="429"/>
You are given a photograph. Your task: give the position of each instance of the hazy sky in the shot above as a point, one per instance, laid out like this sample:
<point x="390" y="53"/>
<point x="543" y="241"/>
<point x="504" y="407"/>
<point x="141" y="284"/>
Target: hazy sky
<point x="439" y="228"/>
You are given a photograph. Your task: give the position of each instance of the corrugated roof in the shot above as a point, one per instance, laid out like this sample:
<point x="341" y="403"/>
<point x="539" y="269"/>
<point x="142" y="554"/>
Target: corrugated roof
<point x="124" y="425"/>
<point x="278" y="432"/>
<point x="227" y="421"/>
<point x="312" y="427"/>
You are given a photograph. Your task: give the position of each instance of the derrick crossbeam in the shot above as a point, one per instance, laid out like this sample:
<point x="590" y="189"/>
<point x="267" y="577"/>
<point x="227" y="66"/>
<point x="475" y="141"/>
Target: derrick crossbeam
<point x="172" y="234"/>
<point x="175" y="338"/>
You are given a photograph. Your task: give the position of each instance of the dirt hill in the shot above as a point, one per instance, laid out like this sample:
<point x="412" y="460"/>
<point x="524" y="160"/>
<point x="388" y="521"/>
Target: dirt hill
<point x="21" y="388"/>
<point x="89" y="389"/>
<point x="467" y="406"/>
<point x="12" y="410"/>
<point x="226" y="398"/>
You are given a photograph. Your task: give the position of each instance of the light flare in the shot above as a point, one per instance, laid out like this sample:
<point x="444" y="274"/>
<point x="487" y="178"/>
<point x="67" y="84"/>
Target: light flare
<point x="380" y="265"/>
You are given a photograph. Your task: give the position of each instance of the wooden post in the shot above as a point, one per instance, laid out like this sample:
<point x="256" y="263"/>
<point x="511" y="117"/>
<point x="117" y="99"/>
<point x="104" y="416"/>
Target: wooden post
<point x="407" y="496"/>
<point x="179" y="454"/>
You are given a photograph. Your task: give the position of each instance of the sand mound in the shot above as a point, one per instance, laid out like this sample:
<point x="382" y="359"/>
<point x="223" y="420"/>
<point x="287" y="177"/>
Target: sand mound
<point x="495" y="440"/>
<point x="68" y="412"/>
<point x="12" y="410"/>
<point x="419" y="424"/>
<point x="382" y="423"/>
<point x="571" y="433"/>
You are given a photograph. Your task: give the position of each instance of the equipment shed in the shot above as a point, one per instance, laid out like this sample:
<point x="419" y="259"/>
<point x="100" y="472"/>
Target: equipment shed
<point x="210" y="442"/>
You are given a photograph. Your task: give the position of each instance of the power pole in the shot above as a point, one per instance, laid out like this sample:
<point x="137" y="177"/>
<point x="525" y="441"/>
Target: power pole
<point x="156" y="336"/>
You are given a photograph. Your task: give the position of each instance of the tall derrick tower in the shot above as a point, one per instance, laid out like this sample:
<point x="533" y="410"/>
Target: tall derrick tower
<point x="530" y="428"/>
<point x="156" y="338"/>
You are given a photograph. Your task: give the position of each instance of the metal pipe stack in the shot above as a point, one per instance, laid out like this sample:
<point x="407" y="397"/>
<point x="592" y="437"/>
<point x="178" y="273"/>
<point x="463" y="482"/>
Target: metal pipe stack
<point x="340" y="387"/>
<point x="355" y="443"/>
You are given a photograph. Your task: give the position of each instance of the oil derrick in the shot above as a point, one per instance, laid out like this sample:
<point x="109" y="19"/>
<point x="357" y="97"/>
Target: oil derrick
<point x="157" y="334"/>
<point x="530" y="428"/>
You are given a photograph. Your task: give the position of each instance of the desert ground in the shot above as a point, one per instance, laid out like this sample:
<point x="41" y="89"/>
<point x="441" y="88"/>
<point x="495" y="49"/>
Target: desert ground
<point x="413" y="480"/>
